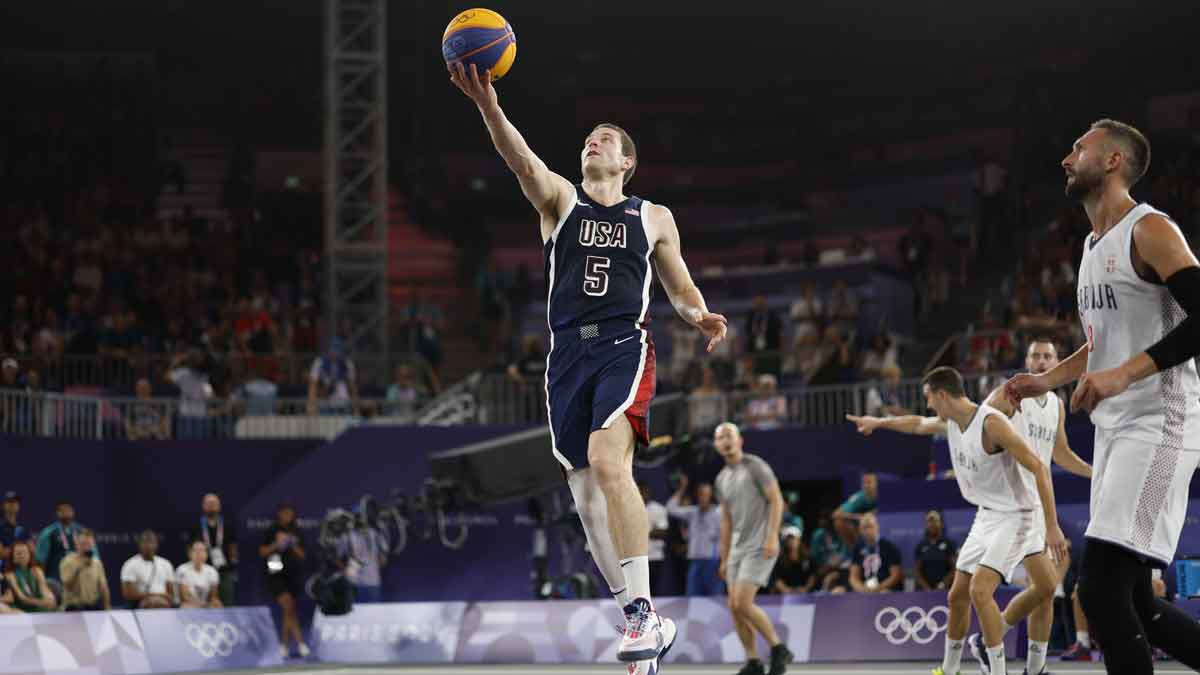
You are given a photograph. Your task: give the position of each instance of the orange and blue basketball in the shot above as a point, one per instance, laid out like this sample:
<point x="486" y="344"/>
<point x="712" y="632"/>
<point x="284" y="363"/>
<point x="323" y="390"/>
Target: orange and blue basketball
<point x="482" y="37"/>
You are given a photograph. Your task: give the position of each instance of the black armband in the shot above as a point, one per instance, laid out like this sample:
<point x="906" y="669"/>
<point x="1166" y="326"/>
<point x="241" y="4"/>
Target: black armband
<point x="1183" y="342"/>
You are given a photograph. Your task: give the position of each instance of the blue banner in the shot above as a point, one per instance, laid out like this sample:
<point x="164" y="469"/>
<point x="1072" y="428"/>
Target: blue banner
<point x="414" y="632"/>
<point x="87" y="643"/>
<point x="209" y="639"/>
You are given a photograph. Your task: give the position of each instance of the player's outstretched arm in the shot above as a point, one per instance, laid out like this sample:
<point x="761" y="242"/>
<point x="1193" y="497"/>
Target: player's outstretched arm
<point x="1028" y="385"/>
<point x="1159" y="244"/>
<point x="1003" y="435"/>
<point x="905" y="424"/>
<point x="549" y="192"/>
<point x="685" y="297"/>
<point x="1063" y="455"/>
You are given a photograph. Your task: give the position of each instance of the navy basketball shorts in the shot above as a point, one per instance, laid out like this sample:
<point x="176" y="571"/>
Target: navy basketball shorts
<point x="595" y="374"/>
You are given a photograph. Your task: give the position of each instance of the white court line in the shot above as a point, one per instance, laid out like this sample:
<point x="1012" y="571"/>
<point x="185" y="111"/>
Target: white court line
<point x="682" y="669"/>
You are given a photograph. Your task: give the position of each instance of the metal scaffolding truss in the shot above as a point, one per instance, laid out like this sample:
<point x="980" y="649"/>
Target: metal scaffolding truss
<point x="355" y="155"/>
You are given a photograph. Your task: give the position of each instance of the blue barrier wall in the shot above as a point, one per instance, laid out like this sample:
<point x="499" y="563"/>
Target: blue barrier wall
<point x="120" y="488"/>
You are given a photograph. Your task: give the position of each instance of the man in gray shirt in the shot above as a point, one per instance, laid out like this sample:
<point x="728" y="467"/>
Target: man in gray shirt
<point x="751" y="512"/>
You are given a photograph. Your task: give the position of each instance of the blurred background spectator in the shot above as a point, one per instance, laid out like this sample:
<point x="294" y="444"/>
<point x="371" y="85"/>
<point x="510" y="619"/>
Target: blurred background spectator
<point x="935" y="556"/>
<point x="405" y="395"/>
<point x="148" y="579"/>
<point x="11" y="530"/>
<point x="221" y="544"/>
<point x="659" y="525"/>
<point x="767" y="408"/>
<point x="27" y="581"/>
<point x="57" y="539"/>
<point x="146" y="419"/>
<point x="198" y="583"/>
<point x="188" y="373"/>
<point x="862" y="502"/>
<point x="877" y="566"/>
<point x="794" y="572"/>
<point x="704" y="537"/>
<point x="84" y="583"/>
<point x="332" y="378"/>
<point x="883" y="398"/>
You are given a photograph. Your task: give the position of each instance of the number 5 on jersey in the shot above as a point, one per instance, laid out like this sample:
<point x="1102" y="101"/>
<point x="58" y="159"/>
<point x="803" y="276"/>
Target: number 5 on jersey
<point x="595" y="275"/>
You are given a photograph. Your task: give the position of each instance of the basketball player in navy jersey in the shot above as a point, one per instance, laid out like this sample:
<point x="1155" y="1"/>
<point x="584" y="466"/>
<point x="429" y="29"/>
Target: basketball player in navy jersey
<point x="1139" y="303"/>
<point x="599" y="244"/>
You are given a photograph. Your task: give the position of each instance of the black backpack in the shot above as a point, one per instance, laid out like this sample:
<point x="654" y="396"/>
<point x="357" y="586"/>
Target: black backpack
<point x="334" y="594"/>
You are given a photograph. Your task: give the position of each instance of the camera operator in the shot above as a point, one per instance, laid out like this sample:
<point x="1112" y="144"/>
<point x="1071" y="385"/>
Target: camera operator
<point x="364" y="551"/>
<point x="283" y="551"/>
<point x="85" y="586"/>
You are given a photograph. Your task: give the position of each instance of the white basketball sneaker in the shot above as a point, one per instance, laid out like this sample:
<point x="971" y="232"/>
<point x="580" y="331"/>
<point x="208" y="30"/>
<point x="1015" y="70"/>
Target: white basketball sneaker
<point x="654" y="666"/>
<point x="645" y="635"/>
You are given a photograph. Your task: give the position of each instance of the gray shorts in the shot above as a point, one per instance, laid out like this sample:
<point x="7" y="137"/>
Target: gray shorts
<point x="749" y="568"/>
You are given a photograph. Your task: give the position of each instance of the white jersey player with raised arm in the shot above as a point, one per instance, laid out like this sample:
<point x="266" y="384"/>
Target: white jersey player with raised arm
<point x="1037" y="422"/>
<point x="1148" y="436"/>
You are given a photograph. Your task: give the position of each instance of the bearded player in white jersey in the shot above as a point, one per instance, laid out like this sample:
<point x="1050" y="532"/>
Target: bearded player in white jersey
<point x="990" y="459"/>
<point x="1041" y="422"/>
<point x="1139" y="303"/>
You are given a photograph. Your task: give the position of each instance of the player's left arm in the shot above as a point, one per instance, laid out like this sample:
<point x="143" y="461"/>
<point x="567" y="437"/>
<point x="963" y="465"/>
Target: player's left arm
<point x="1063" y="455"/>
<point x="1160" y="245"/>
<point x="1002" y="434"/>
<point x="774" y="519"/>
<point x="677" y="281"/>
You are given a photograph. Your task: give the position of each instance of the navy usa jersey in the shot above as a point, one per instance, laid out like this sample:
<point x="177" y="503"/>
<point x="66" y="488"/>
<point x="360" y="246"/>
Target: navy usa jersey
<point x="601" y="363"/>
<point x="598" y="265"/>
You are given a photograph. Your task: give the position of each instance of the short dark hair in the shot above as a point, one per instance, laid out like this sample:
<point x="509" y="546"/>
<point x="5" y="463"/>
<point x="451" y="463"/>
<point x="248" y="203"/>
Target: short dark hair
<point x="628" y="148"/>
<point x="1044" y="340"/>
<point x="1136" y="146"/>
<point x="945" y="378"/>
<point x="148" y="535"/>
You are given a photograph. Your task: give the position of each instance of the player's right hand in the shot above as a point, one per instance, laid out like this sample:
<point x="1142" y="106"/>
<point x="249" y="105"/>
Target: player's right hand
<point x="713" y="326"/>
<point x="1024" y="385"/>
<point x="721" y="570"/>
<point x="864" y="424"/>
<point x="1056" y="544"/>
<point x="478" y="87"/>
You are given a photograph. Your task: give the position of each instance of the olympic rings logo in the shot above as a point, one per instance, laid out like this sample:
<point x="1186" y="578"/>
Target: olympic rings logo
<point x="911" y="624"/>
<point x="212" y="639"/>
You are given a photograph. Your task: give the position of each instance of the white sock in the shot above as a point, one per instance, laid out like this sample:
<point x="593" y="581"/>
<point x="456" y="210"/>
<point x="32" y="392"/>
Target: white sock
<point x="953" y="656"/>
<point x="996" y="656"/>
<point x="593" y="513"/>
<point x="1084" y="640"/>
<point x="1036" y="661"/>
<point x="637" y="577"/>
<point x="622" y="597"/>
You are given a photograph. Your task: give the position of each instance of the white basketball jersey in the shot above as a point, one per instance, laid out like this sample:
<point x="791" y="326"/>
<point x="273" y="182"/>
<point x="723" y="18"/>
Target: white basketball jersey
<point x="1038" y="425"/>
<point x="991" y="481"/>
<point x="1122" y="315"/>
